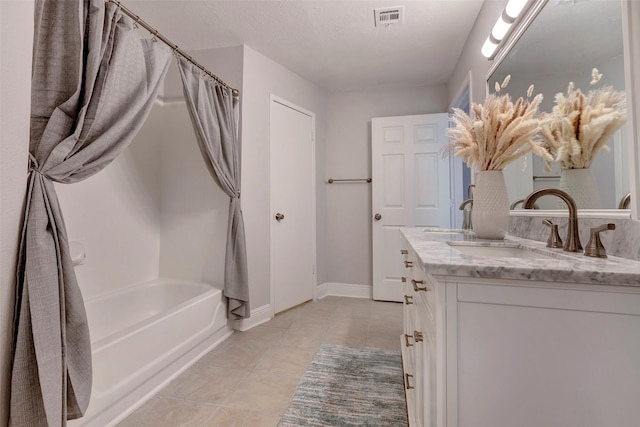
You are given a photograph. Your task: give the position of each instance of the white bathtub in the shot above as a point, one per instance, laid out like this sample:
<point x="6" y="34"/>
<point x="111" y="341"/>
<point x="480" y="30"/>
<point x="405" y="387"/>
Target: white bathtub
<point x="143" y="336"/>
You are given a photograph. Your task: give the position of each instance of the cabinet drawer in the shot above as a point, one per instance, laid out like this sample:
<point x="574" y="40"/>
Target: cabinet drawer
<point x="424" y="288"/>
<point x="409" y="377"/>
<point x="615" y="301"/>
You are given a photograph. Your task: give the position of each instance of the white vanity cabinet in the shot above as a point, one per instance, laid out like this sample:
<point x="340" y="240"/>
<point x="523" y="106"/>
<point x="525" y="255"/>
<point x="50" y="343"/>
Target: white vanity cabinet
<point x="542" y="354"/>
<point x="498" y="352"/>
<point x="420" y="344"/>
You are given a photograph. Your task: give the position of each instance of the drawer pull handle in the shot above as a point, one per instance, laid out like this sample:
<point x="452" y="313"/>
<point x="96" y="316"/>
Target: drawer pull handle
<point x="408" y="264"/>
<point x="406" y="340"/>
<point x="407" y="384"/>
<point x="403" y="279"/>
<point x="417" y="336"/>
<point x="418" y="288"/>
<point x="408" y="299"/>
<point x="404" y="252"/>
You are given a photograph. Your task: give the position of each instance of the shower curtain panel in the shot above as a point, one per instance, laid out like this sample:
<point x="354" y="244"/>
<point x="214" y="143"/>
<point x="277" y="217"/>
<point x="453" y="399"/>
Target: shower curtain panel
<point x="214" y="115"/>
<point x="93" y="84"/>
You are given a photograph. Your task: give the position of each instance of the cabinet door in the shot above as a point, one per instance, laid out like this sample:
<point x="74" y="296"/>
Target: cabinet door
<point x="425" y="364"/>
<point x="408" y="366"/>
<point x="407" y="342"/>
<point x="546" y="356"/>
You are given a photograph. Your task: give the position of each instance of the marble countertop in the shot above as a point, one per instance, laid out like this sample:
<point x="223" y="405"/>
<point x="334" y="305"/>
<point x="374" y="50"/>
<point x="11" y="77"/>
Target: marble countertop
<point x="437" y="257"/>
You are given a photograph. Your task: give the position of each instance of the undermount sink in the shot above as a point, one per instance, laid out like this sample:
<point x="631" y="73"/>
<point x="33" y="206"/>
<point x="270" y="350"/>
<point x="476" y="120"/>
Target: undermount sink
<point x="446" y="230"/>
<point x="500" y="250"/>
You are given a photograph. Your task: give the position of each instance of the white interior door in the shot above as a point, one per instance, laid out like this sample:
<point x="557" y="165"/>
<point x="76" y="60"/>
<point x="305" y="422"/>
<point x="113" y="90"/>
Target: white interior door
<point x="410" y="188"/>
<point x="292" y="204"/>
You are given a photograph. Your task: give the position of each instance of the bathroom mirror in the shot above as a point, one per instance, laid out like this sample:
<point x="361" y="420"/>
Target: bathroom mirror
<point x="561" y="41"/>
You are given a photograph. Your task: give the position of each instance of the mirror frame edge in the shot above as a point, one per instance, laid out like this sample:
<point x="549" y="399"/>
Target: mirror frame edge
<point x="632" y="80"/>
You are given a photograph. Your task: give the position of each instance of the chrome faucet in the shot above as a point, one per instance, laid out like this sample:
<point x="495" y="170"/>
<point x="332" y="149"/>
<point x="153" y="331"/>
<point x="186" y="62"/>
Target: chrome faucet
<point x="466" y="219"/>
<point x="517" y="202"/>
<point x="625" y="202"/>
<point x="572" y="240"/>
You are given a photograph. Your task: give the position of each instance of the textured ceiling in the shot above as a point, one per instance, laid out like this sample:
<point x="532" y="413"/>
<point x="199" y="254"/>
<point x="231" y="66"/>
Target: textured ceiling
<point x="331" y="43"/>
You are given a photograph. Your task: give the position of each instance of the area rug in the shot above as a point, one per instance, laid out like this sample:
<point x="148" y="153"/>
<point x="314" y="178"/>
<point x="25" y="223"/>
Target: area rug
<point x="349" y="386"/>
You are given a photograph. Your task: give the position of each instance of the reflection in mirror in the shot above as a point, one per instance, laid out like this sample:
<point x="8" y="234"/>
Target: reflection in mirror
<point x="564" y="42"/>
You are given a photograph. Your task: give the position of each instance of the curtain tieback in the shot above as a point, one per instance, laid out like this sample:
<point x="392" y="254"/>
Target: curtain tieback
<point x="35" y="167"/>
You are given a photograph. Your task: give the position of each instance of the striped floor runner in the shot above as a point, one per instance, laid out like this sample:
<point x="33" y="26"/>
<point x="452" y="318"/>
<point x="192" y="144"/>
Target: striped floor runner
<point x="349" y="386"/>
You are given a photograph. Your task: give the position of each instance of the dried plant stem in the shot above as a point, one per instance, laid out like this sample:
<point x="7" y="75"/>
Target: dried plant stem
<point x="498" y="133"/>
<point x="580" y="125"/>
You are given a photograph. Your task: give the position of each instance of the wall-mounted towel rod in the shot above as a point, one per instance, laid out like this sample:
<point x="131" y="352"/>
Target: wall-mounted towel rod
<point x="331" y="180"/>
<point x="546" y="177"/>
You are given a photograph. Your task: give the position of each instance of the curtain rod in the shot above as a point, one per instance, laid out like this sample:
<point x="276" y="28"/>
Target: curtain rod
<point x="173" y="46"/>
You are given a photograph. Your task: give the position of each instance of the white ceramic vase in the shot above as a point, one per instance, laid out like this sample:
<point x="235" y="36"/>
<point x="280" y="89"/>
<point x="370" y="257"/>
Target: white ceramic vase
<point x="490" y="215"/>
<point x="581" y="185"/>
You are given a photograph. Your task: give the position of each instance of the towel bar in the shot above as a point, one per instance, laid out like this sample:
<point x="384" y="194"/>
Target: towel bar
<point x="331" y="180"/>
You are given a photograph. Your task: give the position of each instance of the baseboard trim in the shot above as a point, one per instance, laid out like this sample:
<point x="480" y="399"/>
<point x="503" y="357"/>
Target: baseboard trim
<point x="265" y="313"/>
<point x="344" y="290"/>
<point x="258" y="316"/>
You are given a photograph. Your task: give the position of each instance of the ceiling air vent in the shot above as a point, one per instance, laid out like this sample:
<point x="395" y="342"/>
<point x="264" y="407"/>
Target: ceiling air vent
<point x="386" y="16"/>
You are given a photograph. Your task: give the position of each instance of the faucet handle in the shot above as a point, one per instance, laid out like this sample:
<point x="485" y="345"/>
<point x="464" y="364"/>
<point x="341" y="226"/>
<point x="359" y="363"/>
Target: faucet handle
<point x="554" y="240"/>
<point x="594" y="247"/>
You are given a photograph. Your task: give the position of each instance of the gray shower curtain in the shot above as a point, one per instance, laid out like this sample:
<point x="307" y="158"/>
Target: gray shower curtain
<point x="93" y="84"/>
<point x="214" y="112"/>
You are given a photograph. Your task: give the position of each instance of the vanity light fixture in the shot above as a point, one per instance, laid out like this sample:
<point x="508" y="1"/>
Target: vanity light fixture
<point x="509" y="15"/>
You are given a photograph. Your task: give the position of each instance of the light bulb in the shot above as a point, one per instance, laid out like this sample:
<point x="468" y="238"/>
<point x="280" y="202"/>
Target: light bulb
<point x="514" y="7"/>
<point x="500" y="29"/>
<point x="488" y="48"/>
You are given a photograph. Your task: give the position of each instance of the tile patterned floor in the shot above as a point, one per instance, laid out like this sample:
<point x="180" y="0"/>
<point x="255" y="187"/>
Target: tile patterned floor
<point x="250" y="378"/>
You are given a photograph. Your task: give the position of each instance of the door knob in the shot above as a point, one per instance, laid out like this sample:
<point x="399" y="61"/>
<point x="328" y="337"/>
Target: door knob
<point x="377" y="217"/>
<point x="279" y="217"/>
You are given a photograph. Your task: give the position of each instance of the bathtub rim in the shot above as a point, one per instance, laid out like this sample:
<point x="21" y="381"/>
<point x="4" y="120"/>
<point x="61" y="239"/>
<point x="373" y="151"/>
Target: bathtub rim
<point x="209" y="290"/>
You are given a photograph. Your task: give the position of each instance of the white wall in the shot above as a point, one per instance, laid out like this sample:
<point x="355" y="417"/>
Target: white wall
<point x="471" y="59"/>
<point x="116" y="215"/>
<point x="16" y="41"/>
<point x="348" y="155"/>
<point x="261" y="78"/>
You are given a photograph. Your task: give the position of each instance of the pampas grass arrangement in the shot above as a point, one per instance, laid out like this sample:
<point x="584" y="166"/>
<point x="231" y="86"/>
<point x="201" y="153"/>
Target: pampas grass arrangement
<point x="580" y="125"/>
<point x="498" y="132"/>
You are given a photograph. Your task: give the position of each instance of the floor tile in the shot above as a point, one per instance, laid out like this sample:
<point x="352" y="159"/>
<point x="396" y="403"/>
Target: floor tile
<point x="349" y="326"/>
<point x="355" y="312"/>
<point x="235" y="355"/>
<point x="346" y="339"/>
<point x="260" y="336"/>
<point x="285" y="360"/>
<point x="164" y="411"/>
<point x="204" y="382"/>
<point x="264" y="392"/>
<point x="227" y="417"/>
<point x="250" y="378"/>
<point x="390" y="343"/>
<point x="383" y="328"/>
